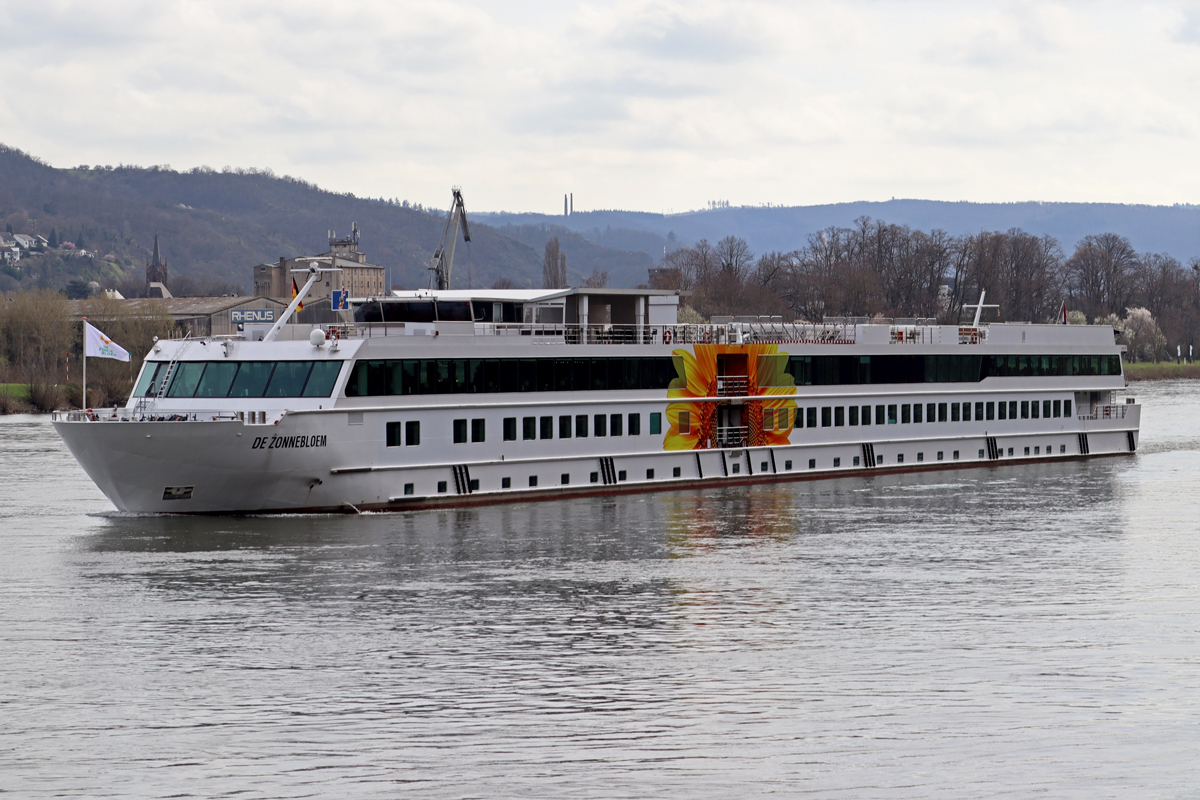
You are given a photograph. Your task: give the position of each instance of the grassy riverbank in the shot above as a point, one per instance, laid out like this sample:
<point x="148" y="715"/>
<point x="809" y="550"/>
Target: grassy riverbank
<point x="17" y="391"/>
<point x="1161" y="371"/>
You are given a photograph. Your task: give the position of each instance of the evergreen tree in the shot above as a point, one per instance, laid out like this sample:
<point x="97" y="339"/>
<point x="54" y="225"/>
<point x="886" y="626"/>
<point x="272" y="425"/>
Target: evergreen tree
<point x="8" y="228"/>
<point x="53" y="240"/>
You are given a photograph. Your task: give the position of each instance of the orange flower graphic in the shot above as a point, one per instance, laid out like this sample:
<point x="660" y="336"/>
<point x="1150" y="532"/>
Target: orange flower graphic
<point x="766" y="378"/>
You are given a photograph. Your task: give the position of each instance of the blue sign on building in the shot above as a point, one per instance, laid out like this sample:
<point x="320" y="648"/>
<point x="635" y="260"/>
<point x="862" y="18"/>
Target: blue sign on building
<point x="339" y="298"/>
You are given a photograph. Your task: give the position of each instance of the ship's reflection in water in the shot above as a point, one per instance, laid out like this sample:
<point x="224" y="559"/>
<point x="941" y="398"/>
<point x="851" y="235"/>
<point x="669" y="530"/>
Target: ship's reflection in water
<point x="972" y="631"/>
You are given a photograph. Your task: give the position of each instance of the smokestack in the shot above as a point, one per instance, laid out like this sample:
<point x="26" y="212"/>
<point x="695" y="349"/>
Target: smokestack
<point x="572" y="202"/>
<point x="566" y="210"/>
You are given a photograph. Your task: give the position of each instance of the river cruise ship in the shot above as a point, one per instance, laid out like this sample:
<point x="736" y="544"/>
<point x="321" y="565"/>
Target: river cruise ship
<point x="450" y="398"/>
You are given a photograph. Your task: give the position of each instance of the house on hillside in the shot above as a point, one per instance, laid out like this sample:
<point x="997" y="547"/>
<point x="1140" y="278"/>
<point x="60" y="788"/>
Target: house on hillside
<point x="24" y="241"/>
<point x="12" y="253"/>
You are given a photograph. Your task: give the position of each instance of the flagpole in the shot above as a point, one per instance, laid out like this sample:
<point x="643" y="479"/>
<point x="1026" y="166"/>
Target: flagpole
<point x="83" y="401"/>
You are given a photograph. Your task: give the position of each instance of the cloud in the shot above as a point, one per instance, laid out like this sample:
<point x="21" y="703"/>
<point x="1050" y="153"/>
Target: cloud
<point x="635" y="104"/>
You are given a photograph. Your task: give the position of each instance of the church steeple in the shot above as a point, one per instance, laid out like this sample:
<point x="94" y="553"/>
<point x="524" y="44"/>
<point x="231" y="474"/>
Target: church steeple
<point x="156" y="273"/>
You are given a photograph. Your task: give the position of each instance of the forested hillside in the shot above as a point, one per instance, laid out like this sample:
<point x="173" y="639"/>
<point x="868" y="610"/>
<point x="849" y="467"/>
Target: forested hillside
<point x="223" y="223"/>
<point x="1160" y="229"/>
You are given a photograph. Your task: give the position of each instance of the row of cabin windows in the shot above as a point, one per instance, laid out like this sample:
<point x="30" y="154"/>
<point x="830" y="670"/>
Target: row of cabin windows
<point x="855" y="370"/>
<point x="240" y="378"/>
<point x="484" y="375"/>
<point x="476" y="376"/>
<point x="903" y="413"/>
<point x="408" y="433"/>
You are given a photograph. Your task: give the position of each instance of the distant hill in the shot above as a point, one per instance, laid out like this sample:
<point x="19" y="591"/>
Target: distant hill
<point x="1160" y="229"/>
<point x="224" y="223"/>
<point x="624" y="267"/>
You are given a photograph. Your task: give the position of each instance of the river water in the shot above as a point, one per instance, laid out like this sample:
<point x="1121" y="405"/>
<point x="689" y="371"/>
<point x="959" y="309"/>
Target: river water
<point x="1008" y="631"/>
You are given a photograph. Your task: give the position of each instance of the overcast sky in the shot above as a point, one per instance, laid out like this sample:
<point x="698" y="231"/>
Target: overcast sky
<point x="655" y="106"/>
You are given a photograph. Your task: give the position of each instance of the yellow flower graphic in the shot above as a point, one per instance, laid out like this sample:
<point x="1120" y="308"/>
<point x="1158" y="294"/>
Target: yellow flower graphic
<point x="765" y="378"/>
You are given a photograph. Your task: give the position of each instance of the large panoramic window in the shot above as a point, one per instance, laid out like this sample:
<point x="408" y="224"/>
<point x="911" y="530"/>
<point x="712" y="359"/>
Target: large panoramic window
<point x="482" y="376"/>
<point x="242" y="379"/>
<point x="856" y="370"/>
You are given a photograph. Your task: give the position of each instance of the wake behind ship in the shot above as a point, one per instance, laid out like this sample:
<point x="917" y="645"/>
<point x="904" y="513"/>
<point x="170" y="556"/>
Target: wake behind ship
<point x="445" y="398"/>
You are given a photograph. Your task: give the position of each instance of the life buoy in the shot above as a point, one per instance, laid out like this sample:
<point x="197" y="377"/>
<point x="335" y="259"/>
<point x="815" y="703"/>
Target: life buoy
<point x="666" y="335"/>
<point x="706" y="337"/>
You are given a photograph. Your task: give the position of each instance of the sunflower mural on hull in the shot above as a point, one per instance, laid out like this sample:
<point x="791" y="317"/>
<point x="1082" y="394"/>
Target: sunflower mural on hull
<point x="769" y="388"/>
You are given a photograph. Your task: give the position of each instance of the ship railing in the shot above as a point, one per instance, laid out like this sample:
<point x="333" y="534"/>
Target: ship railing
<point x="733" y="436"/>
<point x="623" y="334"/>
<point x="733" y="386"/>
<point x="1107" y="412"/>
<point x="123" y="414"/>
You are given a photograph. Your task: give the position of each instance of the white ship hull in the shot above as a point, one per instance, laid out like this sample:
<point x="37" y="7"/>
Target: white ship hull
<point x="416" y="416"/>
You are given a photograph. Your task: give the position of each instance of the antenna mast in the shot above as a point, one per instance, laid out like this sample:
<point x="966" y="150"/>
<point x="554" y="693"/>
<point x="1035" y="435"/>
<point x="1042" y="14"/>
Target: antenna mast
<point x="443" y="258"/>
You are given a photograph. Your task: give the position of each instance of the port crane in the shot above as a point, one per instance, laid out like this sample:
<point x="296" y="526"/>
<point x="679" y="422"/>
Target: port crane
<point x="443" y="258"/>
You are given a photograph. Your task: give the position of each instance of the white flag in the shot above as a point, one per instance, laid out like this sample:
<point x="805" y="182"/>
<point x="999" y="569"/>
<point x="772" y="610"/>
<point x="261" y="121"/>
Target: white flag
<point x="97" y="345"/>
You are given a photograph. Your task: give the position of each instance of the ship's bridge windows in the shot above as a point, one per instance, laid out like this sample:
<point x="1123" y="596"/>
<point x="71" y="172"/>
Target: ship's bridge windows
<point x="251" y="380"/>
<point x="246" y="379"/>
<point x="152" y="372"/>
<point x="186" y="378"/>
<point x="322" y="378"/>
<point x="218" y="377"/>
<point x="288" y="379"/>
<point x="510" y="429"/>
<point x="635" y="424"/>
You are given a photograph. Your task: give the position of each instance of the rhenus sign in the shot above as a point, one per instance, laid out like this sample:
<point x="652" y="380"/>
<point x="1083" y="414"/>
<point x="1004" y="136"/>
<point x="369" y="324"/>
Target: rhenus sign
<point x="252" y="315"/>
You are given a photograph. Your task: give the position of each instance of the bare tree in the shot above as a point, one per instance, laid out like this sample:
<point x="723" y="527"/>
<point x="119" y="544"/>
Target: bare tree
<point x="504" y="283"/>
<point x="734" y="255"/>
<point x="554" y="266"/>
<point x="1100" y="273"/>
<point x="37" y="336"/>
<point x="597" y="280"/>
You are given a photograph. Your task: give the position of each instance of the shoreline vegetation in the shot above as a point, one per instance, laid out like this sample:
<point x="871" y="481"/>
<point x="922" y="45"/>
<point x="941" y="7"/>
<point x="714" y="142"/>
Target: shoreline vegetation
<point x="1162" y="371"/>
